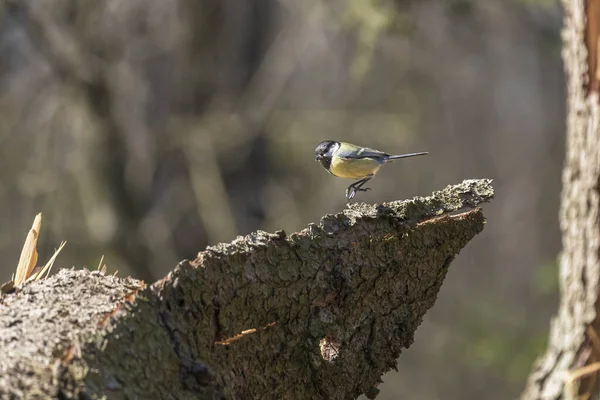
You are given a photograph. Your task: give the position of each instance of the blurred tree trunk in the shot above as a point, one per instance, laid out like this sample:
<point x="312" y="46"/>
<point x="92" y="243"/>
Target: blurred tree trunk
<point x="570" y="366"/>
<point x="184" y="61"/>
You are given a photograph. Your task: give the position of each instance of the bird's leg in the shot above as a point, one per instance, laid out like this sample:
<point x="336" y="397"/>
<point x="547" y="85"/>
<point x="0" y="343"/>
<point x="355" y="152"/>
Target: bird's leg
<point x="357" y="187"/>
<point x="351" y="191"/>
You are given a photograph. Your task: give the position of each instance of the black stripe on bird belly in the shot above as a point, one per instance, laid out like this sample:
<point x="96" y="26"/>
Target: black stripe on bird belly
<point x="356" y="168"/>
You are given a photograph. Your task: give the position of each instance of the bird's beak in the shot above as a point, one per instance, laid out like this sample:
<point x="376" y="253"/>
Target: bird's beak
<point x="317" y="158"/>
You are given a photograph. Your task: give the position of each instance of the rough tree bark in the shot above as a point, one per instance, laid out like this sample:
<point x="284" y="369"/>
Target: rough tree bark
<point x="319" y="314"/>
<point x="569" y="366"/>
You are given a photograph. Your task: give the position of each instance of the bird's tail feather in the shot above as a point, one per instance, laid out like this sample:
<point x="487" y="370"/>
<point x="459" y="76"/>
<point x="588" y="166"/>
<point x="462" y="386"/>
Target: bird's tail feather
<point x="399" y="156"/>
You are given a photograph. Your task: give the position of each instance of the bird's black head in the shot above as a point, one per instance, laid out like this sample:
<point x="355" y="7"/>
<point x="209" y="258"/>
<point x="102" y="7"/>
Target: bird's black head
<point x="324" y="152"/>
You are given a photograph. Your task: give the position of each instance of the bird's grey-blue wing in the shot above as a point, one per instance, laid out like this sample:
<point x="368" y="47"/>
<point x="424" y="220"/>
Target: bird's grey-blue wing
<point x="361" y="152"/>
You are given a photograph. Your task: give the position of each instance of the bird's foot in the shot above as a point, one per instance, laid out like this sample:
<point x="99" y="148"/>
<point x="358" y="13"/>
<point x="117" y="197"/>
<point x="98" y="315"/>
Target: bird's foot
<point x="351" y="192"/>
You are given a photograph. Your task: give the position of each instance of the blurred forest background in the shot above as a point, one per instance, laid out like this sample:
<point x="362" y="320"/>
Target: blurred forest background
<point x="145" y="130"/>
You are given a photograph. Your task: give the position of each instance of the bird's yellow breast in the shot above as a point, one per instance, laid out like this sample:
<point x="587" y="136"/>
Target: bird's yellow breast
<point x="356" y="168"/>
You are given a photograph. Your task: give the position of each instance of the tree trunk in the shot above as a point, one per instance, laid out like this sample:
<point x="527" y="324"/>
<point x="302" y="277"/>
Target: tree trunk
<point x="568" y="367"/>
<point x="319" y="314"/>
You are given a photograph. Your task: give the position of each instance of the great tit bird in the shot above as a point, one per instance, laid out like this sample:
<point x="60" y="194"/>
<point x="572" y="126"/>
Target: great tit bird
<point x="347" y="160"/>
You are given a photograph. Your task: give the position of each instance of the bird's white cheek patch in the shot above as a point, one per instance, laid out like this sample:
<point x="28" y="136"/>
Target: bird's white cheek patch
<point x="336" y="147"/>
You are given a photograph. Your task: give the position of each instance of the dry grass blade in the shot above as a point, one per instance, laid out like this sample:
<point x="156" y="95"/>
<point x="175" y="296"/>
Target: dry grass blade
<point x="49" y="264"/>
<point x="101" y="265"/>
<point x="29" y="253"/>
<point x="572" y="377"/>
<point x="237" y="337"/>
